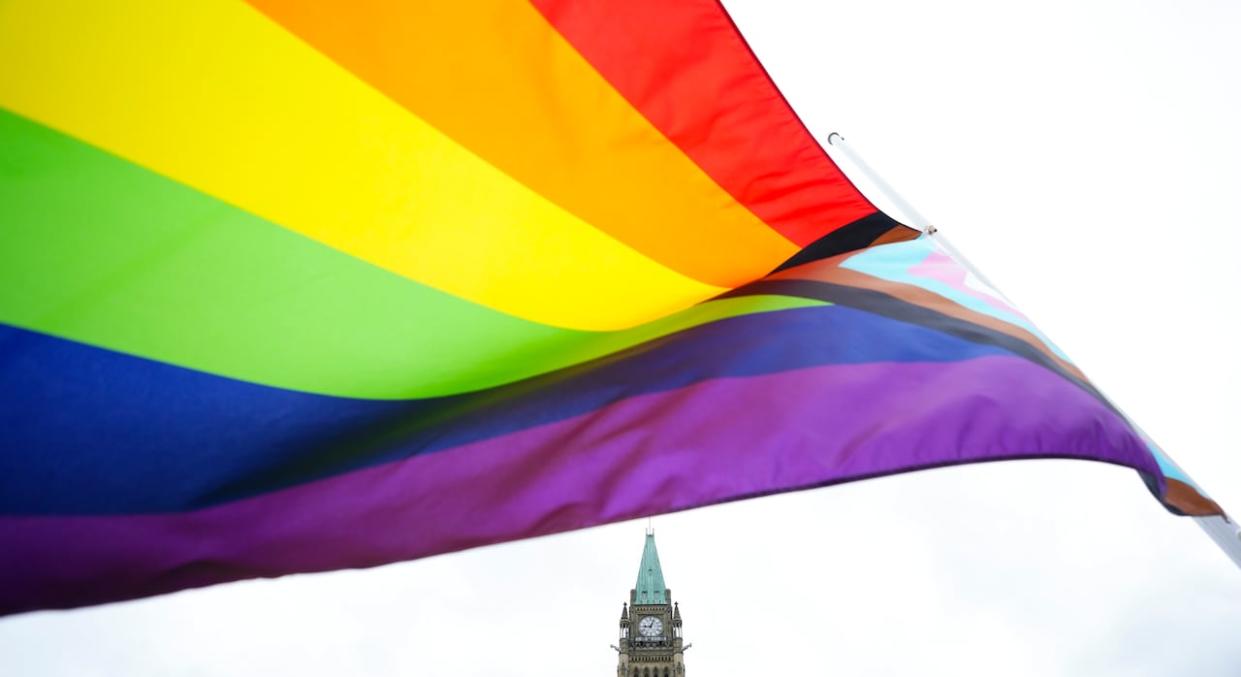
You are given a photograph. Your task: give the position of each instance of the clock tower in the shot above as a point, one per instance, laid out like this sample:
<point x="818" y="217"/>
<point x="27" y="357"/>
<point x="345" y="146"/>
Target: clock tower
<point x="650" y="624"/>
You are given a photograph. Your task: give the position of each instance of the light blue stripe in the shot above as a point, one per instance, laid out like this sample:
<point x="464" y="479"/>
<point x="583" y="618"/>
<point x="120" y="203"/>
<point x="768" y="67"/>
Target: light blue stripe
<point x="894" y="262"/>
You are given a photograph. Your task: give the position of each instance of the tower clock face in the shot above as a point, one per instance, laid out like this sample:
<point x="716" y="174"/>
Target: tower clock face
<point x="650" y="626"/>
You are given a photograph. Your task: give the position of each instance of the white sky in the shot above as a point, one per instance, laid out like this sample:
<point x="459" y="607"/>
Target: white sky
<point x="1087" y="157"/>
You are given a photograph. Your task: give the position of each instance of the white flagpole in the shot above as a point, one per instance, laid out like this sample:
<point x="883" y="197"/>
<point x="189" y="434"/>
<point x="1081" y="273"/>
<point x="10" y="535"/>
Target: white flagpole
<point x="1224" y="532"/>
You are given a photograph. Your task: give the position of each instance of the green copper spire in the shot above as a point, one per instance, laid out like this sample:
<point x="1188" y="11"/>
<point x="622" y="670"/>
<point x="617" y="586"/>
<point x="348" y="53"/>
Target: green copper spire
<point x="650" y="588"/>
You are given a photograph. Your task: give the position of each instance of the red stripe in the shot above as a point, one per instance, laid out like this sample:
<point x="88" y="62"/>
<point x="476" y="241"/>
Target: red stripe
<point x="685" y="66"/>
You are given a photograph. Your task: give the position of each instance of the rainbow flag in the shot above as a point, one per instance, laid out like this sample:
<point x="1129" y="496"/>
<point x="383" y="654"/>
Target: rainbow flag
<point x="291" y="287"/>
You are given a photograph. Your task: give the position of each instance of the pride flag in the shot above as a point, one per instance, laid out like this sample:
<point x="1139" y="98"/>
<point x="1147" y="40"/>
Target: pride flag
<point x="291" y="287"/>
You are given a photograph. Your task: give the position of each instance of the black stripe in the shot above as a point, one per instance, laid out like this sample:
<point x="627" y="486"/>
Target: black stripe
<point x="853" y="236"/>
<point x="894" y="308"/>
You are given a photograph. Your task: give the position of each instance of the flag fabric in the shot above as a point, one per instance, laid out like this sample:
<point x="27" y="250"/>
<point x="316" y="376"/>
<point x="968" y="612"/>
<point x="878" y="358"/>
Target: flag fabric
<point x="291" y="287"/>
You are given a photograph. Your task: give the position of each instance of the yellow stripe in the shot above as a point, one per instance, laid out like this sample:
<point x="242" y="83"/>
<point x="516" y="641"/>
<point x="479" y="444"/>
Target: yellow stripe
<point x="497" y="78"/>
<point x="217" y="96"/>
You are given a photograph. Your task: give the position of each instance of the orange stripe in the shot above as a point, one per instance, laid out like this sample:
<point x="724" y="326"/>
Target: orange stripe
<point x="686" y="67"/>
<point x="266" y="123"/>
<point x="498" y="79"/>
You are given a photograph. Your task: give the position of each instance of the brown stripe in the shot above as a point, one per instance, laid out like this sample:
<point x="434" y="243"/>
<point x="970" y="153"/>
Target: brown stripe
<point x="897" y="234"/>
<point x="1186" y="500"/>
<point x="829" y="270"/>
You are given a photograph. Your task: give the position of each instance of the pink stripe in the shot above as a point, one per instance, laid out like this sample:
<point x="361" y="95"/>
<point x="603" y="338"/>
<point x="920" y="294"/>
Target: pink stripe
<point x="939" y="266"/>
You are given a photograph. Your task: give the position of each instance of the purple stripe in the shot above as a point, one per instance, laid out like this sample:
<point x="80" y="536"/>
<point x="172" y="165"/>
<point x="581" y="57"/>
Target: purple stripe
<point x="710" y="442"/>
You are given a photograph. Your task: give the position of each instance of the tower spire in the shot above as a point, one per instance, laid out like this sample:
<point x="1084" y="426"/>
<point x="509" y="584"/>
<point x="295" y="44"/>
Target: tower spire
<point x="650" y="588"/>
<point x="651" y="640"/>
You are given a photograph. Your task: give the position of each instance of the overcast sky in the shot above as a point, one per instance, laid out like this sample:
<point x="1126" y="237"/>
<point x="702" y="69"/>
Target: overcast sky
<point x="1087" y="157"/>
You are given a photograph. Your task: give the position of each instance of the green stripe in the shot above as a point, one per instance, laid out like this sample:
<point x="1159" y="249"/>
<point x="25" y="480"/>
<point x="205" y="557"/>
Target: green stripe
<point x="101" y="251"/>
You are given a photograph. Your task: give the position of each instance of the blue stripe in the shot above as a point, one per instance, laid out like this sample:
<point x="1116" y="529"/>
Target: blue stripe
<point x="85" y="430"/>
<point x="894" y="262"/>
